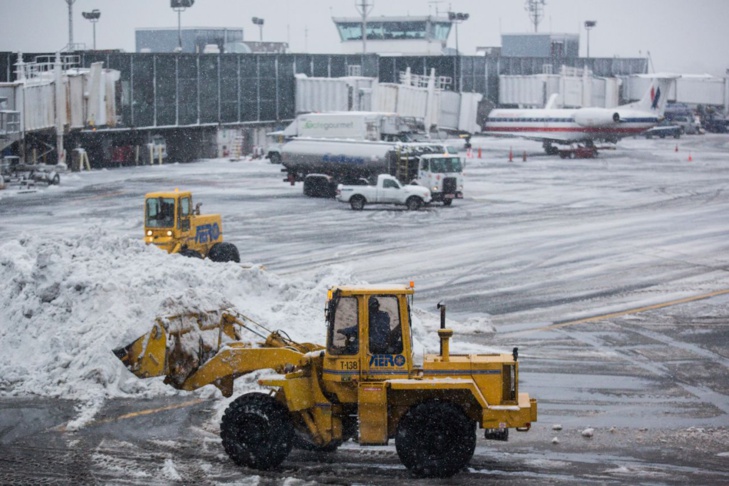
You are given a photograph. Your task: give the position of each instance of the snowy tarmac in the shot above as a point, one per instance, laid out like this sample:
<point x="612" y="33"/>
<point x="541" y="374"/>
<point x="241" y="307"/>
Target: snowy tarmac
<point x="609" y="274"/>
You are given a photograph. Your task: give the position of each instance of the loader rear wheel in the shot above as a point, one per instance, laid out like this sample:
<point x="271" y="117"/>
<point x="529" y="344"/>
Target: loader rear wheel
<point x="257" y="431"/>
<point x="435" y="439"/>
<point x="224" y="252"/>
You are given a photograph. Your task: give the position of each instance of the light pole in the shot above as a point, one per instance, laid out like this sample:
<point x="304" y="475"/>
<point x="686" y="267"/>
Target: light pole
<point x="456" y="18"/>
<point x="178" y="6"/>
<point x="259" y="22"/>
<point x="93" y="17"/>
<point x="70" y="23"/>
<point x="589" y="24"/>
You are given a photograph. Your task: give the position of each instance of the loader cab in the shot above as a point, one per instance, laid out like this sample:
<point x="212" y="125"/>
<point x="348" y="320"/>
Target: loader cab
<point x="368" y="334"/>
<point x="167" y="218"/>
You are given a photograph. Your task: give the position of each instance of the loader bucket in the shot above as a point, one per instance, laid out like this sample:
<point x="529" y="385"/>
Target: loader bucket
<point x="146" y="357"/>
<point x="178" y="345"/>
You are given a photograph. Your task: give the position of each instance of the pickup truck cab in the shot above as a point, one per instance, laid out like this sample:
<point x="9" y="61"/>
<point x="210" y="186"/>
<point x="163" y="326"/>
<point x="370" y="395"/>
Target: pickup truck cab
<point x="387" y="191"/>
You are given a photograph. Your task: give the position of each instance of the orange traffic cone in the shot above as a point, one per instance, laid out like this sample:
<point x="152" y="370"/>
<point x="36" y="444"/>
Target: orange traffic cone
<point x="511" y="155"/>
<point x="523" y="158"/>
<point x="691" y="159"/>
<point x="479" y="152"/>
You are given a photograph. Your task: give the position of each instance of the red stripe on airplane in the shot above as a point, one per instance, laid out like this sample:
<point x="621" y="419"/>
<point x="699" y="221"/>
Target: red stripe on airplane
<point x="567" y="129"/>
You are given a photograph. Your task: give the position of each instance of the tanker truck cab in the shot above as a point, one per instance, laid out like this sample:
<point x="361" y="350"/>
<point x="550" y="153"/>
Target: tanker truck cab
<point x="443" y="175"/>
<point x="172" y="224"/>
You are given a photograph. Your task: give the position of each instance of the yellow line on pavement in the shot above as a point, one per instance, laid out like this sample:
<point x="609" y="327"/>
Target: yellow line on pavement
<point x="149" y="411"/>
<point x="558" y="325"/>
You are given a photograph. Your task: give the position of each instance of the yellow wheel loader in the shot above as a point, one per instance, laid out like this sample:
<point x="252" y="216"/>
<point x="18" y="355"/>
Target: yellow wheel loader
<point x="363" y="384"/>
<point x="173" y="224"/>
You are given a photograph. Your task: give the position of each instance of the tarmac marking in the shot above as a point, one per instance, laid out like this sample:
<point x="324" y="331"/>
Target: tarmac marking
<point x="636" y="310"/>
<point x="126" y="416"/>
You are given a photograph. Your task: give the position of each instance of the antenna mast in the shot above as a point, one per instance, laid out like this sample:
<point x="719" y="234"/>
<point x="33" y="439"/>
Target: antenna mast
<point x="535" y="8"/>
<point x="364" y="7"/>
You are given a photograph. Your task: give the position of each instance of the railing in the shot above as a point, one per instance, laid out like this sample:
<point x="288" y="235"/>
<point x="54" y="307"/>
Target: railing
<point x="45" y="64"/>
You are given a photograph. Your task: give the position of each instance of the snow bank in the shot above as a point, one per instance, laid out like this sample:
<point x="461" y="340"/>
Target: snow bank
<point x="67" y="303"/>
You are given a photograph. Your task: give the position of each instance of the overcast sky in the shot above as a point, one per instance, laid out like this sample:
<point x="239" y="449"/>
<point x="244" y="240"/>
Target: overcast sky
<point x="686" y="36"/>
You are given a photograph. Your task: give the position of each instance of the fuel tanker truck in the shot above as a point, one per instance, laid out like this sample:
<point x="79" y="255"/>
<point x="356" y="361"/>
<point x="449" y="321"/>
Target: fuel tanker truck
<point x="322" y="164"/>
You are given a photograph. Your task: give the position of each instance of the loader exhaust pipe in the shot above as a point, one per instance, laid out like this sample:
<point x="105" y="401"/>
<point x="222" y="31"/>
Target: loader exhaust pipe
<point x="444" y="334"/>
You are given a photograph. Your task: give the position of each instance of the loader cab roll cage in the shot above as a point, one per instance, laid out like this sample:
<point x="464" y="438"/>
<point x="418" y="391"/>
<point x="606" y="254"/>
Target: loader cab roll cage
<point x="383" y="333"/>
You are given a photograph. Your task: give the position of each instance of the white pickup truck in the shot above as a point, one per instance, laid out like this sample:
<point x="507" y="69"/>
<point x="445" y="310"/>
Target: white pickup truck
<point x="387" y="191"/>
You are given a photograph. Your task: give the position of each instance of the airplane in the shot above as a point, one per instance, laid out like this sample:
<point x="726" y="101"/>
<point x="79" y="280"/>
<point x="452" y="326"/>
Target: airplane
<point x="583" y="125"/>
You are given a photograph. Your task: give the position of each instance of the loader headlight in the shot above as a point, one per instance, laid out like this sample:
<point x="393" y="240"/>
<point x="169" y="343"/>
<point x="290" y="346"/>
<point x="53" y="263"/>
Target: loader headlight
<point x="149" y="232"/>
<point x="169" y="233"/>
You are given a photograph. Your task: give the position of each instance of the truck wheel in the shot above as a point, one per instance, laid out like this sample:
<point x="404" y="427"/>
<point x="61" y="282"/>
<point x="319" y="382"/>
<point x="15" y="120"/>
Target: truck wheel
<point x="257" y="431"/>
<point x="190" y="253"/>
<point x="357" y="203"/>
<point x="414" y="203"/>
<point x="435" y="439"/>
<point x="274" y="158"/>
<point x="447" y="202"/>
<point x="224" y="252"/>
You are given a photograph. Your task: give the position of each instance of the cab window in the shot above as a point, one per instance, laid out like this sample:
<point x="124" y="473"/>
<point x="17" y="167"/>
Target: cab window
<point x="344" y="329"/>
<point x="185" y="207"/>
<point x="390" y="184"/>
<point x="385" y="330"/>
<point x="160" y="212"/>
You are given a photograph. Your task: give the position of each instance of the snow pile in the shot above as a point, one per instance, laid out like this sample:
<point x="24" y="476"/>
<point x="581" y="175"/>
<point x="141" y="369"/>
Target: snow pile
<point x="67" y="303"/>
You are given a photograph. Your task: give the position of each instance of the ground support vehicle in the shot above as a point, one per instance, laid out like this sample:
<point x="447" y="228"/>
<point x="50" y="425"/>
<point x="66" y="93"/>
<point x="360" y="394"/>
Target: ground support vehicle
<point x="12" y="172"/>
<point x="663" y="130"/>
<point x="387" y="190"/>
<point x="432" y="165"/>
<point x="578" y="152"/>
<point x="174" y="225"/>
<point x="363" y="383"/>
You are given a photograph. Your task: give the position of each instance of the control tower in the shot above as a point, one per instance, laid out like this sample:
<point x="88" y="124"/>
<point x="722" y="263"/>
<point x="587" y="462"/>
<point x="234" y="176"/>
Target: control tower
<point x="408" y="36"/>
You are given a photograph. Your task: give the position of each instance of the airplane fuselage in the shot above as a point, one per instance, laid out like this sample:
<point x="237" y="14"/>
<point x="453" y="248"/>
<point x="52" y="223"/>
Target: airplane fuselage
<point x="570" y="125"/>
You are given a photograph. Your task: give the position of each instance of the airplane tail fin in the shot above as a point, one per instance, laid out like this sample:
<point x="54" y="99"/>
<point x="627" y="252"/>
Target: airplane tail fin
<point x="655" y="98"/>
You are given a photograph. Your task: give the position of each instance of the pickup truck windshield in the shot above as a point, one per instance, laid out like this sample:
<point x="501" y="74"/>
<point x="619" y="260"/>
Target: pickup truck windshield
<point x="160" y="212"/>
<point x="450" y="164"/>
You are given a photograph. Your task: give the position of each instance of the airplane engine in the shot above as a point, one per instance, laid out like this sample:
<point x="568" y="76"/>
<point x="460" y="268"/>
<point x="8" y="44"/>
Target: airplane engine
<point x="596" y="117"/>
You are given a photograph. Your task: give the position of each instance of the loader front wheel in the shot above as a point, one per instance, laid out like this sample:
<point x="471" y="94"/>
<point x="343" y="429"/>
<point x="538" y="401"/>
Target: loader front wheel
<point x="224" y="252"/>
<point x="257" y="431"/>
<point x="435" y="439"/>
